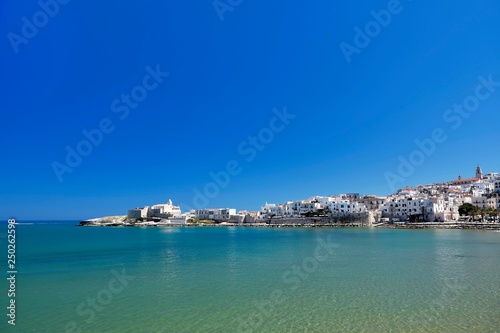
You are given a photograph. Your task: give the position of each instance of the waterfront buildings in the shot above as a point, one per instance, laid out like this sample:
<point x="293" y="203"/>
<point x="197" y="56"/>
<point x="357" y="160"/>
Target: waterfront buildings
<point x="433" y="202"/>
<point x="216" y="214"/>
<point x="167" y="210"/>
<point x="437" y="202"/>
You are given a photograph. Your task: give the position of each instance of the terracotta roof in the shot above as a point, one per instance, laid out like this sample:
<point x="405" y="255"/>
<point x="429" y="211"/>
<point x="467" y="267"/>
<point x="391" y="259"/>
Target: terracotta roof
<point x="466" y="180"/>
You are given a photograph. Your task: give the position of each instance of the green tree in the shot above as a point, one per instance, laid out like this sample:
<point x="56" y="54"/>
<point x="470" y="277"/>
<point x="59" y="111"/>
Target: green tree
<point x="466" y="209"/>
<point x="482" y="212"/>
<point x="492" y="212"/>
<point x="473" y="212"/>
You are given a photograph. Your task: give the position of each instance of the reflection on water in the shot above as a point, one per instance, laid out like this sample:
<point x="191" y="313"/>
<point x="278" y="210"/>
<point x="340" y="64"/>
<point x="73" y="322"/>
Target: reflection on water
<point x="170" y="230"/>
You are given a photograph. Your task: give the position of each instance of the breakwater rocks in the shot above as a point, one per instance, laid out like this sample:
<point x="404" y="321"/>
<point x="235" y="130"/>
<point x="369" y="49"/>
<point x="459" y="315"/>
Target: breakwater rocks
<point x="214" y="225"/>
<point x="122" y="221"/>
<point x="306" y="222"/>
<point x="443" y="225"/>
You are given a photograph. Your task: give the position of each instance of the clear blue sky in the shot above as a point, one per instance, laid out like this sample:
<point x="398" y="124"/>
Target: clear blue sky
<point x="353" y="120"/>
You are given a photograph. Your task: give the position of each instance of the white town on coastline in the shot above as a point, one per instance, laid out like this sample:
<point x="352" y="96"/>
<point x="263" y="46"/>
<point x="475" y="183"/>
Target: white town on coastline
<point x="437" y="202"/>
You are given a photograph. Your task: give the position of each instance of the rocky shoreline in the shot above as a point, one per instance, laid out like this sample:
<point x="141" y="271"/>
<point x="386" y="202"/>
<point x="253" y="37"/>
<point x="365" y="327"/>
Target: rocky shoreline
<point x="445" y="225"/>
<point x="123" y="221"/>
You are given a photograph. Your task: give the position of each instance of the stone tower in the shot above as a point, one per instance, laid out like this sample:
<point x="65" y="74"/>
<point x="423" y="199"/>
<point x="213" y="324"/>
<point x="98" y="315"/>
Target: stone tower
<point x="479" y="172"/>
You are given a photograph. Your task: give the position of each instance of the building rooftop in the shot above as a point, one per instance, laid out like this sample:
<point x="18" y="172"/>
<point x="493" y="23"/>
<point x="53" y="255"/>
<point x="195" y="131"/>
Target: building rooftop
<point x="465" y="180"/>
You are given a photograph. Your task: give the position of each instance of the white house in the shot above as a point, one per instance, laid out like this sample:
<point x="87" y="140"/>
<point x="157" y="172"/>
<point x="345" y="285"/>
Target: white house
<point x="373" y="202"/>
<point x="491" y="176"/>
<point x="166" y="210"/>
<point x="482" y="187"/>
<point x="135" y="213"/>
<point x="159" y="210"/>
<point x="346" y="207"/>
<point x="216" y="214"/>
<point x="496" y="185"/>
<point x="480" y="202"/>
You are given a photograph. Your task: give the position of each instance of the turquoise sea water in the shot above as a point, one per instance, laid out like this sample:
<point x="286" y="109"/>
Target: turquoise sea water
<point x="229" y="279"/>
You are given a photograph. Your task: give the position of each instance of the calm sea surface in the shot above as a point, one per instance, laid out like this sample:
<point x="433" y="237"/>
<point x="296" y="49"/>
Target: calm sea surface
<point x="228" y="279"/>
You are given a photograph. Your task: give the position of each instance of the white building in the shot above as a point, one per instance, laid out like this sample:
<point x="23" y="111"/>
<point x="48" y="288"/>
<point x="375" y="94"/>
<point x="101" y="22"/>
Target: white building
<point x="432" y="209"/>
<point x="403" y="208"/>
<point x="135" y="213"/>
<point x="373" y="202"/>
<point x="269" y="210"/>
<point x="216" y="214"/>
<point x="299" y="208"/>
<point x="445" y="209"/>
<point x="159" y="210"/>
<point x="250" y="217"/>
<point x="347" y="207"/>
<point x="166" y="210"/>
<point x="482" y="187"/>
<point x="491" y="176"/>
<point x="496" y="185"/>
<point x="340" y="204"/>
<point x="494" y="201"/>
<point x="480" y="202"/>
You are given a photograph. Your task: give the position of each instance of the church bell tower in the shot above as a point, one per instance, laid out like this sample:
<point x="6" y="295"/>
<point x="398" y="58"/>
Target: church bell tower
<point x="479" y="172"/>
